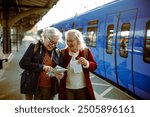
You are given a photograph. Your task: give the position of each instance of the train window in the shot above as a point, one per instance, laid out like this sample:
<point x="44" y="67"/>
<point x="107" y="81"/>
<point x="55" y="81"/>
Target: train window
<point x="124" y="39"/>
<point x="110" y="33"/>
<point x="80" y="29"/>
<point x="93" y="22"/>
<point x="91" y="36"/>
<point x="147" y="43"/>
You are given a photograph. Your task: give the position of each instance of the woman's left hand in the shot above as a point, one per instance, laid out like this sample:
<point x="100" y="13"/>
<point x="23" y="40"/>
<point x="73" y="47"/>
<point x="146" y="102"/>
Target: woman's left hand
<point x="82" y="61"/>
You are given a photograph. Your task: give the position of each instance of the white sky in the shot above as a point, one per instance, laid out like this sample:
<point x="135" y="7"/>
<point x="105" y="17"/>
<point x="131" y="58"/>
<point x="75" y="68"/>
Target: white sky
<point x="68" y="8"/>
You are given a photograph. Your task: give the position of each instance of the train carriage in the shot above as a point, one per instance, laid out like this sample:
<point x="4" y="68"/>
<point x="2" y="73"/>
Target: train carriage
<point x="118" y="35"/>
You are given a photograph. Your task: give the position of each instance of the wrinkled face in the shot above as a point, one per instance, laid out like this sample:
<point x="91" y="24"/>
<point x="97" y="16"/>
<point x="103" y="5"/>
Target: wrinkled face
<point x="72" y="43"/>
<point x="51" y="43"/>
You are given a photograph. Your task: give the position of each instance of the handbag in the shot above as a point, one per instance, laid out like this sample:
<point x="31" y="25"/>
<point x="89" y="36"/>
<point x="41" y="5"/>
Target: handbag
<point x="54" y="86"/>
<point x="27" y="82"/>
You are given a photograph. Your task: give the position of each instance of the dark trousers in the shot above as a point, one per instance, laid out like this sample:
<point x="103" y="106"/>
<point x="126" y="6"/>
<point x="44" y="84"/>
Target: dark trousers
<point x="43" y="93"/>
<point x="29" y="97"/>
<point x="77" y="94"/>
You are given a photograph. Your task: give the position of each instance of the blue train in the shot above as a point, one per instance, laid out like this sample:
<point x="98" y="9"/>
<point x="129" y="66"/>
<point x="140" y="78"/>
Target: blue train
<point x="118" y="35"/>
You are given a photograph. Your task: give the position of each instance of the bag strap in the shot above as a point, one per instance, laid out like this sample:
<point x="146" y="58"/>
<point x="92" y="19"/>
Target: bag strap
<point x="62" y="53"/>
<point x="36" y="46"/>
<point x="86" y="53"/>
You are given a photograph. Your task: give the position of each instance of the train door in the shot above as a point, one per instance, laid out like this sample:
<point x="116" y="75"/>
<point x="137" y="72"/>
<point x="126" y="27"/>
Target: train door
<point x="109" y="54"/>
<point x="141" y="59"/>
<point x="124" y="51"/>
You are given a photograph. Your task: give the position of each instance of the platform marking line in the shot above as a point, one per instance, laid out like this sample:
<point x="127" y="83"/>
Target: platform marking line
<point x="99" y="97"/>
<point x="106" y="91"/>
<point x="100" y="84"/>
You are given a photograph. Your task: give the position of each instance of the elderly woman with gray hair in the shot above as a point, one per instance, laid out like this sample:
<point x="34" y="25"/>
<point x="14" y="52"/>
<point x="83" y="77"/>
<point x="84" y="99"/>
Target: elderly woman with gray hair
<point x="37" y="61"/>
<point x="78" y="60"/>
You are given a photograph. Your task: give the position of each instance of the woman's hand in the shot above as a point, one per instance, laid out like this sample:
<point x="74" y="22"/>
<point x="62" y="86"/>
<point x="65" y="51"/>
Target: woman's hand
<point x="59" y="75"/>
<point x="82" y="61"/>
<point x="47" y="68"/>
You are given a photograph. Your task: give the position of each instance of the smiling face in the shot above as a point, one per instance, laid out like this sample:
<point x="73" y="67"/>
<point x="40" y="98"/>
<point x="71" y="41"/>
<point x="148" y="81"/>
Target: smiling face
<point x="72" y="42"/>
<point x="51" y="43"/>
<point x="51" y="37"/>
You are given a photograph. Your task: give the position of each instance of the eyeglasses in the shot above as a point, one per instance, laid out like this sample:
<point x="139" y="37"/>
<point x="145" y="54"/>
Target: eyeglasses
<point x="70" y="40"/>
<point x="50" y="41"/>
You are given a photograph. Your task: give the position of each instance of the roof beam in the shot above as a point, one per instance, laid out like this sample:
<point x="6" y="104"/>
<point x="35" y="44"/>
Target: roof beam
<point x="28" y="6"/>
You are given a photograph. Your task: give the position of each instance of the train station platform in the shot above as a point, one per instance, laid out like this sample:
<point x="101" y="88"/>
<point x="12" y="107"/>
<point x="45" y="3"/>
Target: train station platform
<point x="10" y="79"/>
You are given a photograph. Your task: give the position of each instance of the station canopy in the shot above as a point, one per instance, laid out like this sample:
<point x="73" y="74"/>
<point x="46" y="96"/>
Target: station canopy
<point x="24" y="13"/>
